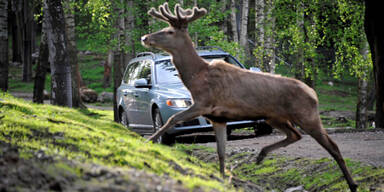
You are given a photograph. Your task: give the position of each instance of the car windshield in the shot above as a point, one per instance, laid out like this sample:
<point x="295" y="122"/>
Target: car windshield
<point x="166" y="72"/>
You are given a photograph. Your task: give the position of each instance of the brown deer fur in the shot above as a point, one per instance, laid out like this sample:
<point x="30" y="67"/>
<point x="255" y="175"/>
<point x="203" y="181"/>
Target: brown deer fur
<point x="222" y="92"/>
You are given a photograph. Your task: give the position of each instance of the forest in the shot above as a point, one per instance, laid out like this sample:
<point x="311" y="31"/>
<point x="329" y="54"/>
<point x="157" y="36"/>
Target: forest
<point x="71" y="52"/>
<point x="308" y="40"/>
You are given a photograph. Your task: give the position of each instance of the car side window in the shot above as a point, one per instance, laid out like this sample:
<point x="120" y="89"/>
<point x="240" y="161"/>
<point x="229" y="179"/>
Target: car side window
<point x="145" y="71"/>
<point x="131" y="72"/>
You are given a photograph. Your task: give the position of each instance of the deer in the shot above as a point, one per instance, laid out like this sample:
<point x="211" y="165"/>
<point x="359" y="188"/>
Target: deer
<point x="222" y="92"/>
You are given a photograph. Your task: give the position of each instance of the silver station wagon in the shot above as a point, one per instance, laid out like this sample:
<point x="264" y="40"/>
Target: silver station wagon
<point x="151" y="92"/>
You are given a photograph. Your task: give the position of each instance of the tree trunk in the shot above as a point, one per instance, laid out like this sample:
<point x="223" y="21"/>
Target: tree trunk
<point x="362" y="91"/>
<point x="72" y="54"/>
<point x="244" y="30"/>
<point x="260" y="32"/>
<point x="4" y="45"/>
<point x="299" y="64"/>
<point x="361" y="108"/>
<point x="58" y="56"/>
<point x="118" y="59"/>
<point x="17" y="31"/>
<point x="42" y="67"/>
<point x="371" y="97"/>
<point x="224" y="26"/>
<point x="269" y="47"/>
<point x="129" y="27"/>
<point x="234" y="25"/>
<point x="28" y="27"/>
<point x="374" y="32"/>
<point x="108" y="70"/>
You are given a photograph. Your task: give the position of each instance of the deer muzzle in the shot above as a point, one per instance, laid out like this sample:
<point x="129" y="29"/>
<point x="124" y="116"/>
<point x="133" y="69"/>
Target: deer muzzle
<point x="145" y="41"/>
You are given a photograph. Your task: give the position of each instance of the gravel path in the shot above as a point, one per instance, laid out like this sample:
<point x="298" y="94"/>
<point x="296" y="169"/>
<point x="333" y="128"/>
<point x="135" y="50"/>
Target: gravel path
<point x="366" y="147"/>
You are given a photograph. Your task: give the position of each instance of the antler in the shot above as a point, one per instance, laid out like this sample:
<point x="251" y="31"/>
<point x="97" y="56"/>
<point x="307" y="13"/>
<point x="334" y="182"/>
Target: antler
<point x="181" y="18"/>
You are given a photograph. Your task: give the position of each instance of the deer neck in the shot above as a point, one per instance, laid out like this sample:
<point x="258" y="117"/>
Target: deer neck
<point x="188" y="63"/>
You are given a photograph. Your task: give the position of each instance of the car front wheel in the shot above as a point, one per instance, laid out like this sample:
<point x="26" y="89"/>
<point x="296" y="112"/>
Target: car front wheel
<point x="166" y="138"/>
<point x="262" y="129"/>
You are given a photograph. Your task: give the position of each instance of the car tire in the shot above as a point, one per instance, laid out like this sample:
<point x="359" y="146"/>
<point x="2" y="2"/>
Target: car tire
<point x="124" y="119"/>
<point x="229" y="132"/>
<point x="262" y="128"/>
<point x="166" y="138"/>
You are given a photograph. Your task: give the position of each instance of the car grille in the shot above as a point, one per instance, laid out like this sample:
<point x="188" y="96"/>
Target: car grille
<point x="189" y="123"/>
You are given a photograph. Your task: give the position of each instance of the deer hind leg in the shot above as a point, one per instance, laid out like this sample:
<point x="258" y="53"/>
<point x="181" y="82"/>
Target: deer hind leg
<point x="190" y="113"/>
<point x="315" y="129"/>
<point x="292" y="133"/>
<point x="221" y="138"/>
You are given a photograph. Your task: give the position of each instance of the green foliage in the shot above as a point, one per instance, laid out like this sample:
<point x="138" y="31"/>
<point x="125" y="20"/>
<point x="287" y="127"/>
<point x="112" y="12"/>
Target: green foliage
<point x="90" y="136"/>
<point x="327" y="25"/>
<point x="351" y="40"/>
<point x="97" y="20"/>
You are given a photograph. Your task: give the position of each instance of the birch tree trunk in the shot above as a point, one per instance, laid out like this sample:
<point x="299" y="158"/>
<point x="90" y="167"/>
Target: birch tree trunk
<point x="269" y="46"/>
<point x="361" y="107"/>
<point x="4" y="45"/>
<point x="42" y="66"/>
<point x="244" y="28"/>
<point x="235" y="33"/>
<point x="224" y="26"/>
<point x="58" y="56"/>
<point x="72" y="54"/>
<point x="299" y="64"/>
<point x="259" y="37"/>
<point x="362" y="98"/>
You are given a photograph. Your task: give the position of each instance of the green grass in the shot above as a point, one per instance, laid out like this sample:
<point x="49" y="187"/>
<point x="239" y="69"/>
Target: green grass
<point x="92" y="72"/>
<point x="90" y="136"/>
<point x="315" y="175"/>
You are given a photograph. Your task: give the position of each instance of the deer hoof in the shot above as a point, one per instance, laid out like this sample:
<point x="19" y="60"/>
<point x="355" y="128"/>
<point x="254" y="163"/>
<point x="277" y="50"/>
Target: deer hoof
<point x="260" y="158"/>
<point x="353" y="187"/>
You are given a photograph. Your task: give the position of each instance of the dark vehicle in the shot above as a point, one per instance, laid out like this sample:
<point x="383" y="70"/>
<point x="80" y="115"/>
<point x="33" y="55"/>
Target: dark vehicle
<point x="151" y="92"/>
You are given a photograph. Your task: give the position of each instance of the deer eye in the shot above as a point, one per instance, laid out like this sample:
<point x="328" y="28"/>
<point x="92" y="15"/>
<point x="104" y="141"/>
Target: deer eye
<point x="170" y="32"/>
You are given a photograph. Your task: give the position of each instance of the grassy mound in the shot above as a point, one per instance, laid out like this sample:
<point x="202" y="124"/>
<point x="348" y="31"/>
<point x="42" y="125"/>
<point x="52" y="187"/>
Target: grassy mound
<point x="85" y="148"/>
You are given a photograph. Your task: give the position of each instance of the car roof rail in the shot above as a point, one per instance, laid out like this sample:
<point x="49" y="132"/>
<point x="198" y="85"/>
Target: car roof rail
<point x="209" y="48"/>
<point x="143" y="54"/>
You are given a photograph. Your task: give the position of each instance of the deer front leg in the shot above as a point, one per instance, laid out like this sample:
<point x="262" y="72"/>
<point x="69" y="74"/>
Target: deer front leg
<point x="186" y="115"/>
<point x="221" y="138"/>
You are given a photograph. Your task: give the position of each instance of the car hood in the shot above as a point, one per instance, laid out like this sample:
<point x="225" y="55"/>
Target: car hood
<point x="174" y="90"/>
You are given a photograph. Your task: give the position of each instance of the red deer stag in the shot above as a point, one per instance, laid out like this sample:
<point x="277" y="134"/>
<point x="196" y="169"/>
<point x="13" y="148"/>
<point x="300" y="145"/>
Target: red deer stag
<point x="222" y="92"/>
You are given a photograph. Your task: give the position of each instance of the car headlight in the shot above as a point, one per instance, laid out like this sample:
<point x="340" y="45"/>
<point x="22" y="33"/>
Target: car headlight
<point x="179" y="103"/>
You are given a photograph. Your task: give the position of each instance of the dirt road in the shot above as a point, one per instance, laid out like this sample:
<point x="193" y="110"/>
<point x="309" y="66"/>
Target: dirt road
<point x="366" y="147"/>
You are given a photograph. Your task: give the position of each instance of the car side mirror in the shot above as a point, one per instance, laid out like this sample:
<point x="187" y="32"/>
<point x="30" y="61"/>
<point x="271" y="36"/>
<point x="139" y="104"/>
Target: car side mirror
<point x="142" y="83"/>
<point x="256" y="69"/>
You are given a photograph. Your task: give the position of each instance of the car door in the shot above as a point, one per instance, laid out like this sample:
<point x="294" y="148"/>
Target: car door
<point x="128" y="92"/>
<point x="143" y="97"/>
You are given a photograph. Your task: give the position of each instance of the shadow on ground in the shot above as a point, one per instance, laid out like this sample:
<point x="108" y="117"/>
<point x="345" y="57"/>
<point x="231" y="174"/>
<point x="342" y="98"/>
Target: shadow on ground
<point x="209" y="137"/>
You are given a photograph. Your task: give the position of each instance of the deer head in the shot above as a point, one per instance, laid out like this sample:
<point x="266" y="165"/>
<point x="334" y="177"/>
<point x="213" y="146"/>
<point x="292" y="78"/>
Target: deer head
<point x="176" y="35"/>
